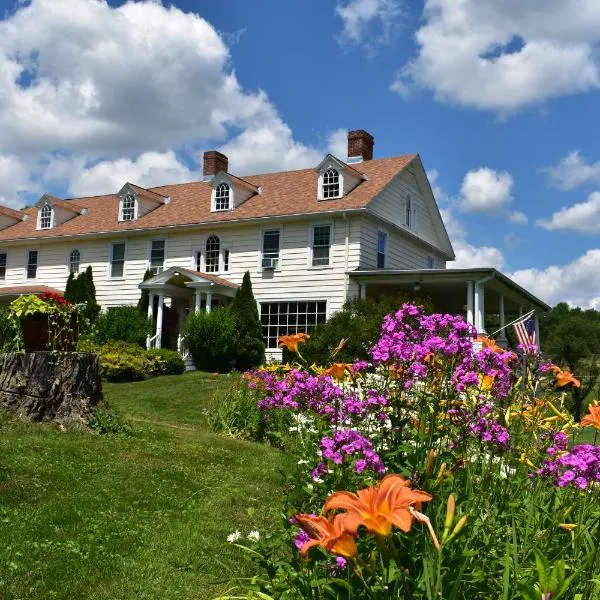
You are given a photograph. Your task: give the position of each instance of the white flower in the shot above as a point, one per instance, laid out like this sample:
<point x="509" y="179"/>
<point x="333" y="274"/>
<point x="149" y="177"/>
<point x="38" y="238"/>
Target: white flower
<point x="302" y="462"/>
<point x="234" y="537"/>
<point x="254" y="536"/>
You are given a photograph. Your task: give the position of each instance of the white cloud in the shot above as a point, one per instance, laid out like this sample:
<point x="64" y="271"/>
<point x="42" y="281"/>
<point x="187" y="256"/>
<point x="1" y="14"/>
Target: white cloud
<point x="518" y="218"/>
<point x="503" y="56"/>
<point x="438" y="192"/>
<point x="375" y="20"/>
<point x="575" y="282"/>
<point x="486" y="191"/>
<point x="14" y="181"/>
<point x="573" y="170"/>
<point x="583" y="216"/>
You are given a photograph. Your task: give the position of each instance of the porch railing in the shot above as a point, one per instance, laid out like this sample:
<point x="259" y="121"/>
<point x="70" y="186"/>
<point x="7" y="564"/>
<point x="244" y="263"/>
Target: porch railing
<point x="181" y="347"/>
<point x="151" y="342"/>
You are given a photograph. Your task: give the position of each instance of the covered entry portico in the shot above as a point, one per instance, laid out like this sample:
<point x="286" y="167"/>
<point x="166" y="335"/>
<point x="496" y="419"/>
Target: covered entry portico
<point x="176" y="292"/>
<point x="487" y="298"/>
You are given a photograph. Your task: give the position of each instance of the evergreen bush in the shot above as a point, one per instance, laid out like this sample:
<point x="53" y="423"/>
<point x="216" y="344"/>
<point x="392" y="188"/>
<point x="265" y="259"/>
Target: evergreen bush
<point x="212" y="339"/>
<point x="144" y="300"/>
<point x="122" y="323"/>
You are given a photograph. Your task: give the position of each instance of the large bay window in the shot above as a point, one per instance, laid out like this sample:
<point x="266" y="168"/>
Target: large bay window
<point x="321" y="246"/>
<point x="283" y="318"/>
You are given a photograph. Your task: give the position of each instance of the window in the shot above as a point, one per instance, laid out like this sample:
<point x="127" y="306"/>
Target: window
<point x="211" y="258"/>
<point x="2" y="265"/>
<point x="32" y="264"/>
<point x="321" y="245"/>
<point x="381" y="243"/>
<point x="225" y="260"/>
<point x="331" y="184"/>
<point x="430" y="262"/>
<point x="408" y="215"/>
<point x="157" y="256"/>
<point x="222" y="194"/>
<point x="74" y="261"/>
<point x="128" y="208"/>
<point x="270" y="248"/>
<point x="46" y="217"/>
<point x="117" y="260"/>
<point x="283" y="318"/>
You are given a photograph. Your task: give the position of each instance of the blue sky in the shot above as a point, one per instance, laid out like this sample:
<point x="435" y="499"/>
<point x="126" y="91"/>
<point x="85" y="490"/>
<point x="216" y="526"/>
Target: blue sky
<point x="500" y="101"/>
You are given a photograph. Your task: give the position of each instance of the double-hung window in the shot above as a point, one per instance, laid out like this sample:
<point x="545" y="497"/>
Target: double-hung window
<point x="46" y="217"/>
<point x="321" y="245"/>
<point x="117" y="260"/>
<point x="2" y="265"/>
<point x="157" y="256"/>
<point x="381" y="249"/>
<point x="211" y="256"/>
<point x="271" y="247"/>
<point x="74" y="261"/>
<point x="283" y="318"/>
<point x="128" y="208"/>
<point x="331" y="184"/>
<point x="223" y="197"/>
<point x="32" y="264"/>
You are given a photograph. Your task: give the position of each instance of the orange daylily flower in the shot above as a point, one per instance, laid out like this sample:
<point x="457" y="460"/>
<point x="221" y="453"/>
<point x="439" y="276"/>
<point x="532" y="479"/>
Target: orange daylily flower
<point x="291" y="341"/>
<point x="391" y="502"/>
<point x="564" y="377"/>
<point x="329" y="533"/>
<point x="487" y="342"/>
<point x="593" y="418"/>
<point x="338" y="370"/>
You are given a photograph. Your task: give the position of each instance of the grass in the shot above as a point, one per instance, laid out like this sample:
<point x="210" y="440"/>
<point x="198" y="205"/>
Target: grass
<point x="139" y="516"/>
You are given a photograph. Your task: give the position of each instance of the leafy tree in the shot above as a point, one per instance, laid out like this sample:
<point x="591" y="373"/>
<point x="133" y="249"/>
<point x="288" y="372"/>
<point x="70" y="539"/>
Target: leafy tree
<point x="571" y="337"/>
<point x="144" y="300"/>
<point x="250" y="351"/>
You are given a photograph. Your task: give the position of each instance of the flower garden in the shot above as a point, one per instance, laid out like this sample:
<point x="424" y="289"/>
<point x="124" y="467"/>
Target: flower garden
<point x="445" y="467"/>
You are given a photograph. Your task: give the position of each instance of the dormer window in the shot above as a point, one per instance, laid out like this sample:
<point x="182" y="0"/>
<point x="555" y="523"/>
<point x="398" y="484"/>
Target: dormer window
<point x="127" y="208"/>
<point x="331" y="184"/>
<point x="46" y="217"/>
<point x="222" y="197"/>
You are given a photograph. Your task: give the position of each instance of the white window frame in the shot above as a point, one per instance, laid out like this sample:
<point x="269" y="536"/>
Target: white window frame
<point x="162" y="267"/>
<point x="225" y="268"/>
<point x="37" y="264"/>
<point x="340" y="173"/>
<point x="264" y="230"/>
<point x="110" y="260"/>
<point x="311" y="237"/>
<point x="71" y="250"/>
<point x="384" y="233"/>
<point x="41" y="217"/>
<point x="5" y="254"/>
<point x="122" y="207"/>
<point x="204" y="254"/>
<point x="214" y="198"/>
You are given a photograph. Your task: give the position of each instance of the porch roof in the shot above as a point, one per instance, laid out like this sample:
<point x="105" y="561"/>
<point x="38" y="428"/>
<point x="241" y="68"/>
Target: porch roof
<point x="178" y="277"/>
<point x="11" y="292"/>
<point x="450" y="282"/>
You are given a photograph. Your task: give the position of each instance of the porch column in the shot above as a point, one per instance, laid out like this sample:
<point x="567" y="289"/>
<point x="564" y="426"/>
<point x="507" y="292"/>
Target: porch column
<point x="480" y="308"/>
<point x="502" y="336"/>
<point x="198" y="297"/>
<point x="150" y="317"/>
<point x="159" y="319"/>
<point x="363" y="291"/>
<point x="208" y="301"/>
<point x="470" y="314"/>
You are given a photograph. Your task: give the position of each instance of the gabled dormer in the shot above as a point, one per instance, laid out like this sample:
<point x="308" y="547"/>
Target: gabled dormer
<point x="53" y="211"/>
<point x="136" y="201"/>
<point x="336" y="178"/>
<point x="229" y="192"/>
<point x="10" y="216"/>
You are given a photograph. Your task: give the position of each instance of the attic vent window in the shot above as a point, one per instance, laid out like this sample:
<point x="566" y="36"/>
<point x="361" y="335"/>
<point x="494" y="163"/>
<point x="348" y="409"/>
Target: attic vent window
<point x="331" y="184"/>
<point x="222" y="197"/>
<point x="46" y="217"/>
<point x="128" y="208"/>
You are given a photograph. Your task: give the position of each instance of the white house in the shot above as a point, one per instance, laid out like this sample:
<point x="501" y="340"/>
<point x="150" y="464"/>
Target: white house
<point x="311" y="239"/>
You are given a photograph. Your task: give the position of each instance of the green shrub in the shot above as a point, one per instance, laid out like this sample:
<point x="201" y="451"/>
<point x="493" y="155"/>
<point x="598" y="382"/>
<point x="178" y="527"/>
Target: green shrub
<point x="122" y="361"/>
<point x="359" y="322"/>
<point x="107" y="422"/>
<point x="165" y="362"/>
<point x="212" y="339"/>
<point x="10" y="332"/>
<point x="122" y="323"/>
<point x="250" y="350"/>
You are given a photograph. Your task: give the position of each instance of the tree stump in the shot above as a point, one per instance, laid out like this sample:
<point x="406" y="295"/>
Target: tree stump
<point x="51" y="386"/>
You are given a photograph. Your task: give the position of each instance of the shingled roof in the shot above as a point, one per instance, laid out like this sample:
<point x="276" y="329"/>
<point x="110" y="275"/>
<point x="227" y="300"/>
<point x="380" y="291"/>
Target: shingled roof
<point x="283" y="194"/>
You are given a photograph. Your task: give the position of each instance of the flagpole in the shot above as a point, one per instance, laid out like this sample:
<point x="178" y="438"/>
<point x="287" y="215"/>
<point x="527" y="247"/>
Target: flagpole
<point x="518" y="319"/>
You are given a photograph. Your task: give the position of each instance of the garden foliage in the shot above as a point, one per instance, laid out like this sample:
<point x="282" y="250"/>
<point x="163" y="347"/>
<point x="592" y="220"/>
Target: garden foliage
<point x="439" y="468"/>
<point x="122" y="323"/>
<point x="144" y="300"/>
<point x="10" y="332"/>
<point x="81" y="291"/>
<point x="165" y="362"/>
<point x="212" y="339"/>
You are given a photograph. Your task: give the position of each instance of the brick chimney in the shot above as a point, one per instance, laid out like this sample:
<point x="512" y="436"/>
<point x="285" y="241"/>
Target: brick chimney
<point x="360" y="145"/>
<point x="214" y="162"/>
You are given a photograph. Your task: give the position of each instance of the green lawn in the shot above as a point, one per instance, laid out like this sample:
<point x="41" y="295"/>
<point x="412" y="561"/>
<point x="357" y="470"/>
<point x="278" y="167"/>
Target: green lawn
<point x="84" y="516"/>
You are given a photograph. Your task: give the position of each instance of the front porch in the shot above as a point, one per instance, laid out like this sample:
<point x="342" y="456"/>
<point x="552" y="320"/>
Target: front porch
<point x="176" y="292"/>
<point x="488" y="299"/>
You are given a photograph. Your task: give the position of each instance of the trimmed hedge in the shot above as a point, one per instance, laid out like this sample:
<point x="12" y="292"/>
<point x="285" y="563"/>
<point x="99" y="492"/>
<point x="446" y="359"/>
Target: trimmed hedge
<point x="123" y="324"/>
<point x="165" y="361"/>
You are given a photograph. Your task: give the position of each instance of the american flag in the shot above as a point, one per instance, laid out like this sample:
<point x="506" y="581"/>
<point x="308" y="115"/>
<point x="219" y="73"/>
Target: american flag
<point x="525" y="330"/>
